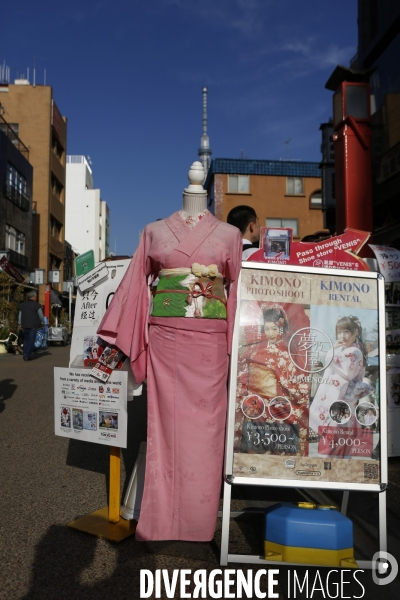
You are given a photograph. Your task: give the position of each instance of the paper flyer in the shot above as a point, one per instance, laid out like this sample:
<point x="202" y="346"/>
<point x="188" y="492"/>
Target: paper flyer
<point x="87" y="410"/>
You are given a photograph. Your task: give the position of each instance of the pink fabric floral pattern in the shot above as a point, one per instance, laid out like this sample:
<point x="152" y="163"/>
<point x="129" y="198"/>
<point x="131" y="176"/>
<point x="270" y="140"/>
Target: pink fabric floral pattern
<point x="191" y="220"/>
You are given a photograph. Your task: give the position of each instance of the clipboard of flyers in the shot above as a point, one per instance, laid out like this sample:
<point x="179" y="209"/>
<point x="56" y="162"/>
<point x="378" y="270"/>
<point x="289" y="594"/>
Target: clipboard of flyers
<point x="307" y="390"/>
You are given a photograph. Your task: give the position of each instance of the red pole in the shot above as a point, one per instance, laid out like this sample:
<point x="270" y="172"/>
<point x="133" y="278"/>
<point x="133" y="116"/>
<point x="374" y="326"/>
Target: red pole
<point x="47" y="302"/>
<point x="353" y="176"/>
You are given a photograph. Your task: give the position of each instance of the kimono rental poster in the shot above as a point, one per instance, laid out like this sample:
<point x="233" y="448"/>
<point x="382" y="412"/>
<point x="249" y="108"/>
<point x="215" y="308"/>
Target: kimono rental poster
<point x="307" y="390"/>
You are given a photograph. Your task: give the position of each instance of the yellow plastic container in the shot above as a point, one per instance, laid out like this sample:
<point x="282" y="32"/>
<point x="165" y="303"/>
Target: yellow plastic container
<point x="310" y="556"/>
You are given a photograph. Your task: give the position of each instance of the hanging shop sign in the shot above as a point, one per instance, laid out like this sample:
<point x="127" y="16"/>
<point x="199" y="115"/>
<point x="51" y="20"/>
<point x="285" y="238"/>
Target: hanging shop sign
<point x="307" y="376"/>
<point x="86" y="410"/>
<point x="8" y="268"/>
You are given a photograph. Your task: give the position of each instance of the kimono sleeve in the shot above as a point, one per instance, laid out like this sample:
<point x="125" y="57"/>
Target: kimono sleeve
<point x="349" y="364"/>
<point x="232" y="271"/>
<point x="125" y="321"/>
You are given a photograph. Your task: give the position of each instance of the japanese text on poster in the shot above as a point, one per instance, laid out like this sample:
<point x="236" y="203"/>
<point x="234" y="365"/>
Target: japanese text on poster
<point x="307" y="385"/>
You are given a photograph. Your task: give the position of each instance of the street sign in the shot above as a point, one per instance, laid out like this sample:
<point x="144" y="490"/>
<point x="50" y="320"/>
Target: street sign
<point x="84" y="263"/>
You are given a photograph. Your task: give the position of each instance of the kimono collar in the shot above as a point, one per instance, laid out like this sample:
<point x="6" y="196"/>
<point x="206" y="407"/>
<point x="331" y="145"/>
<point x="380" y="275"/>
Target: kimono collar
<point x="191" y="239"/>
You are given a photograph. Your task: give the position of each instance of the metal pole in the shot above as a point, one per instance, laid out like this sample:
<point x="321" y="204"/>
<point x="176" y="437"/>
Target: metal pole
<point x="69" y="301"/>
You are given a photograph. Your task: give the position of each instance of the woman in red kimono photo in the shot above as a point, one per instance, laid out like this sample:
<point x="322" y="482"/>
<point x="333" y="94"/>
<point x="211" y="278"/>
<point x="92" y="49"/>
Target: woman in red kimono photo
<point x="267" y="372"/>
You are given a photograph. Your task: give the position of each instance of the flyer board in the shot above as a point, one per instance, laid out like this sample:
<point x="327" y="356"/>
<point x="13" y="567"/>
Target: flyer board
<point x="87" y="410"/>
<point x="307" y="376"/>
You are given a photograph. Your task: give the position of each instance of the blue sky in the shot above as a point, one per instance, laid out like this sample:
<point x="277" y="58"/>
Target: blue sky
<point x="128" y="75"/>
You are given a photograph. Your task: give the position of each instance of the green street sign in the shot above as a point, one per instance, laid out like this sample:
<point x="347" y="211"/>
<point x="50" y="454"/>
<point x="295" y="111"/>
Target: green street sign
<point x="84" y="263"/>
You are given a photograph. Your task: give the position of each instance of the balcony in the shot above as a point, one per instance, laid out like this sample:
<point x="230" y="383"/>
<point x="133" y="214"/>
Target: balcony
<point x="16" y="259"/>
<point x="17" y="197"/>
<point x="10" y="133"/>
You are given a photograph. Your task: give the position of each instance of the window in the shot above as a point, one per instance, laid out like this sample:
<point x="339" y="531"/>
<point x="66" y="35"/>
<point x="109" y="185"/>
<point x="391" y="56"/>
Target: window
<point x="55" y="263"/>
<point x="55" y="228"/>
<point x="294" y="186"/>
<point x="316" y="199"/>
<point x="11" y="130"/>
<point x="57" y="148"/>
<point x="15" y="240"/>
<point x="56" y="187"/>
<point x="16" y="189"/>
<point x="238" y="184"/>
<point x="292" y="223"/>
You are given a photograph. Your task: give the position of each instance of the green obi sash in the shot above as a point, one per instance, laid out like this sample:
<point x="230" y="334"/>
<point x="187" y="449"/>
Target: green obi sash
<point x="180" y="293"/>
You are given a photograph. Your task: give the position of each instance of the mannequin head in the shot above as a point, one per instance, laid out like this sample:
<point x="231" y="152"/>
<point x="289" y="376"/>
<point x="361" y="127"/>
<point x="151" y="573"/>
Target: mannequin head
<point x="195" y="196"/>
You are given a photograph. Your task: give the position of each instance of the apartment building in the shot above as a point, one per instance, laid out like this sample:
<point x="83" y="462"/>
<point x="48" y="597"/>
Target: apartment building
<point x="35" y="118"/>
<point x="15" y="200"/>
<point x="283" y="193"/>
<point x="87" y="216"/>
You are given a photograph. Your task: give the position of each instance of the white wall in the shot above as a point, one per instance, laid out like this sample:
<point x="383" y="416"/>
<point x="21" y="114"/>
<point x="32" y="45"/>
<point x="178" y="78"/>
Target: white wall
<point x="84" y="220"/>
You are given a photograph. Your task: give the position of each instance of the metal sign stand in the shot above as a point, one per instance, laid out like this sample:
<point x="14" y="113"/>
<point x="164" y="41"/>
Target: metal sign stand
<point x="227" y="514"/>
<point x="230" y="479"/>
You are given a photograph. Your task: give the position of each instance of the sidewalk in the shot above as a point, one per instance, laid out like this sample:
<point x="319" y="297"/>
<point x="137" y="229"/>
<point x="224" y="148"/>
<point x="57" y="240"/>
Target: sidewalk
<point x="47" y="481"/>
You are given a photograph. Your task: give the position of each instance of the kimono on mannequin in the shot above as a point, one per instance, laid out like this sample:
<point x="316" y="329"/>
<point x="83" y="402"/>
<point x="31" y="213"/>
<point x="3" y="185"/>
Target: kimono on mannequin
<point x="185" y="361"/>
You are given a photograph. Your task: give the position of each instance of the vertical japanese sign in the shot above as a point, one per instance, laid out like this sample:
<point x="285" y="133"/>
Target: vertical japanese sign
<point x="90" y="307"/>
<point x="305" y="387"/>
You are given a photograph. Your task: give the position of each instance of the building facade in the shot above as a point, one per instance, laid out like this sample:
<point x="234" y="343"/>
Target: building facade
<point x="35" y="118"/>
<point x="376" y="63"/>
<point x="283" y="193"/>
<point x="15" y="200"/>
<point x="87" y="219"/>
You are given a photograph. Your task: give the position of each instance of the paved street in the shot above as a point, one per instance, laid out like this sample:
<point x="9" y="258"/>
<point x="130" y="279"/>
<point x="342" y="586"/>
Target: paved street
<point x="47" y="481"/>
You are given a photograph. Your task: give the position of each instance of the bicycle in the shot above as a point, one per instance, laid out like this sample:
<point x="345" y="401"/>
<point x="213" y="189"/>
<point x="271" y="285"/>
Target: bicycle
<point x="11" y="342"/>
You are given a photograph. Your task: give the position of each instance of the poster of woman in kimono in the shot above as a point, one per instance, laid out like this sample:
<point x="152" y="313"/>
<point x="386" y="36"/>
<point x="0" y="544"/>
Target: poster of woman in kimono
<point x="272" y="396"/>
<point x="347" y="380"/>
<point x="307" y="381"/>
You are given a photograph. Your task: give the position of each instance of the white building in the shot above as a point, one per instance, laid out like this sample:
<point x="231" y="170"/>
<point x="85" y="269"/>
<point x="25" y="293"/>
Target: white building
<point x="86" y="215"/>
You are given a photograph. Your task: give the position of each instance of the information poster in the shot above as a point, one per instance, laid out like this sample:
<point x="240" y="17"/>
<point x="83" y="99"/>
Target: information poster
<point x="306" y="377"/>
<point x="85" y="409"/>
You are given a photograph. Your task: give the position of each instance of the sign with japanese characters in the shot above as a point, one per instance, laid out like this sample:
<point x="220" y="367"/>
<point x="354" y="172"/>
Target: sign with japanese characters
<point x="388" y="262"/>
<point x="306" y="378"/>
<point x="84" y="409"/>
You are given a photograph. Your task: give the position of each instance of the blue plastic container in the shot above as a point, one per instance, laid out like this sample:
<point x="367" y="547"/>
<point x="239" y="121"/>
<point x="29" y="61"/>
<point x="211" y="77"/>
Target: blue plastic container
<point x="319" y="527"/>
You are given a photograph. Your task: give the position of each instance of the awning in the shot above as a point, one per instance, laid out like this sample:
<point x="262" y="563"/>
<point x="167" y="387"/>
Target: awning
<point x="55" y="299"/>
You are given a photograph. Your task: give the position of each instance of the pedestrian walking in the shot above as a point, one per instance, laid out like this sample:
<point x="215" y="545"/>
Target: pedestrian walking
<point x="30" y="319"/>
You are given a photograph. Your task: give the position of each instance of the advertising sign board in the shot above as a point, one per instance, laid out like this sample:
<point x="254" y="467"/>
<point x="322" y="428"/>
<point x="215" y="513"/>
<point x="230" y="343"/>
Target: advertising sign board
<point x="87" y="410"/>
<point x="306" y="379"/>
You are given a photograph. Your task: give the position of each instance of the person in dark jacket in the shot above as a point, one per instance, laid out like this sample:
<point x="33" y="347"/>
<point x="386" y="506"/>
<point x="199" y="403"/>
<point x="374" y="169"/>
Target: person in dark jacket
<point x="245" y="218"/>
<point x="30" y="319"/>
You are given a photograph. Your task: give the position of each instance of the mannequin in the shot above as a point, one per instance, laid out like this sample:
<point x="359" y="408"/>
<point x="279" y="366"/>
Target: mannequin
<point x="181" y="345"/>
<point x="194" y="202"/>
<point x="194" y="196"/>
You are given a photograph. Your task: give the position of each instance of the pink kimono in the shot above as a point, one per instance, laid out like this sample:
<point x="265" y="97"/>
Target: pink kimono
<point x="185" y="361"/>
